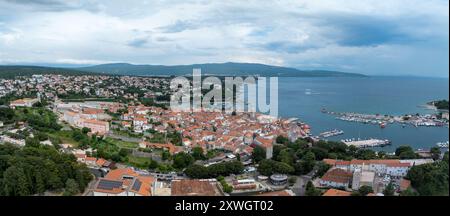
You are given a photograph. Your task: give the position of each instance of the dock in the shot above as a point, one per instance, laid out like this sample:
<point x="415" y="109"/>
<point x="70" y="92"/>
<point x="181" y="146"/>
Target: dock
<point x="368" y="143"/>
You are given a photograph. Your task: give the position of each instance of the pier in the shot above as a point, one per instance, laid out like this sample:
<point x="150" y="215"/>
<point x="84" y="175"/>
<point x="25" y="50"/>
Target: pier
<point x="368" y="143"/>
<point x="334" y="132"/>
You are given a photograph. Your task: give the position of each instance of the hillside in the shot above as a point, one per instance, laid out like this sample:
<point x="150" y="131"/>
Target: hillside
<point x="224" y="69"/>
<point x="13" y="71"/>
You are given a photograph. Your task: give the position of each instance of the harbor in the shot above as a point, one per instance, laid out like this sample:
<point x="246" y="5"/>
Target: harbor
<point x="367" y="143"/>
<point x="331" y="133"/>
<point x="416" y="120"/>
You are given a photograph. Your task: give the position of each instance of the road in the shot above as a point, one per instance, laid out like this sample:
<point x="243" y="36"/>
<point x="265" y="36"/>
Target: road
<point x="300" y="184"/>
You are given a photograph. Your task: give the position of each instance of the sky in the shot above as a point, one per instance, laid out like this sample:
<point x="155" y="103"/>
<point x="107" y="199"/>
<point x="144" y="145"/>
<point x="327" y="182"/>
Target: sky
<point x="395" y="37"/>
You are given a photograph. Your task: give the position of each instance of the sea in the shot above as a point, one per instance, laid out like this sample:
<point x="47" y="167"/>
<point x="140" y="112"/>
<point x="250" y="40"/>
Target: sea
<point x="304" y="98"/>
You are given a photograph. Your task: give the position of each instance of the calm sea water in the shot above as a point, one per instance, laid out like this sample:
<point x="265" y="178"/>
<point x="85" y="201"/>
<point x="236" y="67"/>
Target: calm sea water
<point x="382" y="95"/>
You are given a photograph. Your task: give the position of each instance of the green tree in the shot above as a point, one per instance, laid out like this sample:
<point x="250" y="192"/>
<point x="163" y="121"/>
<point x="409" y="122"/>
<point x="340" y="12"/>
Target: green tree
<point x="435" y="153"/>
<point x="389" y="190"/>
<point x="198" y="154"/>
<point x="153" y="164"/>
<point x="310" y="190"/>
<point x="258" y="154"/>
<point x="85" y="130"/>
<point x="363" y="191"/>
<point x="405" y="152"/>
<point x="15" y="182"/>
<point x="182" y="160"/>
<point x="71" y="188"/>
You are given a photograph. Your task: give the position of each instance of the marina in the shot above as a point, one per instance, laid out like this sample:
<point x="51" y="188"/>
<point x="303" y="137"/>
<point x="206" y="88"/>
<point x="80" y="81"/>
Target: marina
<point x="331" y="133"/>
<point x="442" y="144"/>
<point x="368" y="143"/>
<point x="416" y="120"/>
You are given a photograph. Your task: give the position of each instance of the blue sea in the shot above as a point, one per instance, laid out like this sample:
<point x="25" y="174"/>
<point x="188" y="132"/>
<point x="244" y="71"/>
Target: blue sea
<point x="304" y="98"/>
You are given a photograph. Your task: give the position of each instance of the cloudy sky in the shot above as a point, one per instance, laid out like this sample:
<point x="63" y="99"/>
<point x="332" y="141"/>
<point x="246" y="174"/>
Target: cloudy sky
<point x="395" y="37"/>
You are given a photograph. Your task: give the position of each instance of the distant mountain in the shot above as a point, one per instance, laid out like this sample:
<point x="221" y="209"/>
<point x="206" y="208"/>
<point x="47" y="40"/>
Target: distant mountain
<point x="9" y="72"/>
<point x="219" y="69"/>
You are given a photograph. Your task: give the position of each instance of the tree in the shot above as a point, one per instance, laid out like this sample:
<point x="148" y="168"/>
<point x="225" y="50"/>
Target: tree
<point x="282" y="140"/>
<point x="409" y="192"/>
<point x="430" y="179"/>
<point x="435" y="153"/>
<point x="310" y="190"/>
<point x="165" y="155"/>
<point x="71" y="188"/>
<point x="153" y="164"/>
<point x="389" y="190"/>
<point x="182" y="160"/>
<point x="364" y="190"/>
<point x="15" y="182"/>
<point x="197" y="171"/>
<point x="258" y="154"/>
<point x="197" y="153"/>
<point x="322" y="168"/>
<point x="85" y="130"/>
<point x="32" y="142"/>
<point x="405" y="152"/>
<point x="286" y="156"/>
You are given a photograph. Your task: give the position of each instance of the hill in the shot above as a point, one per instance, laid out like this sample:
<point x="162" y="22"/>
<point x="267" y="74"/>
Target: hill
<point x="218" y="69"/>
<point x="9" y="72"/>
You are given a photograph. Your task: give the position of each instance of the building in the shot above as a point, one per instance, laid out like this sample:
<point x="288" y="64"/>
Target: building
<point x="266" y="144"/>
<point x="362" y="178"/>
<point x="278" y="179"/>
<point x="26" y="102"/>
<point x="336" y="178"/>
<point x="395" y="168"/>
<point x="335" y="192"/>
<point x="445" y="115"/>
<point x="277" y="193"/>
<point x="124" y="182"/>
<point x="205" y="187"/>
<point x="96" y="126"/>
<point x="244" y="184"/>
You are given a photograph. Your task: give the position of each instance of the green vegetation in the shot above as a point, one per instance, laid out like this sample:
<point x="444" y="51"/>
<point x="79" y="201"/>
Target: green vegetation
<point x="363" y="191"/>
<point x="310" y="190"/>
<point x="269" y="167"/>
<point x="258" y="154"/>
<point x="38" y="118"/>
<point x="430" y="179"/>
<point x="36" y="169"/>
<point x="441" y="104"/>
<point x="215" y="170"/>
<point x="389" y="190"/>
<point x="226" y="187"/>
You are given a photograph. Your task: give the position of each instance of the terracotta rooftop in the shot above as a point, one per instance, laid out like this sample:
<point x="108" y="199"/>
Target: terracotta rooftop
<point x="338" y="175"/>
<point x="335" y="192"/>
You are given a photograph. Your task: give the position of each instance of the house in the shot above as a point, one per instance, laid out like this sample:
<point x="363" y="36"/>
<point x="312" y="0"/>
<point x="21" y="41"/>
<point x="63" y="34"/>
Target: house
<point x="363" y="178"/>
<point x="26" y="102"/>
<point x="124" y="182"/>
<point x="336" y="178"/>
<point x="188" y="187"/>
<point x="266" y="144"/>
<point x="96" y="126"/>
<point x="335" y="192"/>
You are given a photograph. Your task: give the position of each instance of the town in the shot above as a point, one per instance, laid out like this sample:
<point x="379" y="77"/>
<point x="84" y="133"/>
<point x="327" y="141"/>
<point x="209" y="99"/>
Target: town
<point x="126" y="141"/>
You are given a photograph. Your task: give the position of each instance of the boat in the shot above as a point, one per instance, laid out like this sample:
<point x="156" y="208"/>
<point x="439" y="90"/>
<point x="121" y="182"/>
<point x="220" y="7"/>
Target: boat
<point x="383" y="125"/>
<point x="442" y="144"/>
